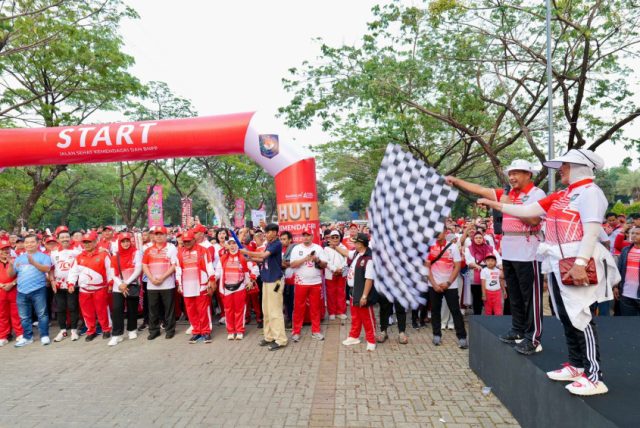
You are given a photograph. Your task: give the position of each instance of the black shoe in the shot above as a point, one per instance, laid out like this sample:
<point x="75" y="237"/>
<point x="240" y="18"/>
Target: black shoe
<point x="153" y="335"/>
<point x="247" y="322"/>
<point x="265" y="343"/>
<point x="170" y="335"/>
<point x="526" y="347"/>
<point x="207" y="338"/>
<point x="106" y="335"/>
<point x="142" y="327"/>
<point x="260" y="324"/>
<point x="274" y="346"/>
<point x="194" y="338"/>
<point x="415" y="325"/>
<point x="511" y="337"/>
<point x="90" y="337"/>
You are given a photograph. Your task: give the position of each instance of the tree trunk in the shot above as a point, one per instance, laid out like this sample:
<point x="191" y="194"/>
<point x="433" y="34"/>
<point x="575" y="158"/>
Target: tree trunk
<point x="40" y="185"/>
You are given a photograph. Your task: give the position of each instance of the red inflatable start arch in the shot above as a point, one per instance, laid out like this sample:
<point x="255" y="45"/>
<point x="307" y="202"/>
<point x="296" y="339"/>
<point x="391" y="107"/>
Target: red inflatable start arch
<point x="258" y="136"/>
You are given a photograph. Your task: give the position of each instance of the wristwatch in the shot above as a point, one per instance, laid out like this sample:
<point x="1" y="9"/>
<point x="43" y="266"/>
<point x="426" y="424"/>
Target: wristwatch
<point x="580" y="262"/>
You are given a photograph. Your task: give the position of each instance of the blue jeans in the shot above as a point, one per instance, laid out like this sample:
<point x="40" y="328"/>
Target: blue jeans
<point x="36" y="300"/>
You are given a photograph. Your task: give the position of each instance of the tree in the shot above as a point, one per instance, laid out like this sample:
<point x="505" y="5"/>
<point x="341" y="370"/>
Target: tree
<point x="462" y="85"/>
<point x="65" y="80"/>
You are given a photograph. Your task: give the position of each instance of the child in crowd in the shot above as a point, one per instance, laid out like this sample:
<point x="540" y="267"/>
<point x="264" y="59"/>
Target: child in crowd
<point x="492" y="287"/>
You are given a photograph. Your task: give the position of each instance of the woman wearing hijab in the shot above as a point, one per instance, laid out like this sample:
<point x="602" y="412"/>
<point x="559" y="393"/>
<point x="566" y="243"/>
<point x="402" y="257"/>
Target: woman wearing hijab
<point x="573" y="223"/>
<point x="127" y="266"/>
<point x="474" y="256"/>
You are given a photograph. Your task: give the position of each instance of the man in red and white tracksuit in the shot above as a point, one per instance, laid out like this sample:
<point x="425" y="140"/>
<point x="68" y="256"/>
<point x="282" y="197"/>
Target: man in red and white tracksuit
<point x="195" y="282"/>
<point x="335" y="281"/>
<point x="200" y="233"/>
<point x="234" y="274"/>
<point x="9" y="318"/>
<point x="307" y="260"/>
<point x="93" y="273"/>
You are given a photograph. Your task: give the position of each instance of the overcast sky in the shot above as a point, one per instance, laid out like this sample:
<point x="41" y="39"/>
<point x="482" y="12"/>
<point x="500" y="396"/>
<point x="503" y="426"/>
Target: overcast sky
<point x="230" y="56"/>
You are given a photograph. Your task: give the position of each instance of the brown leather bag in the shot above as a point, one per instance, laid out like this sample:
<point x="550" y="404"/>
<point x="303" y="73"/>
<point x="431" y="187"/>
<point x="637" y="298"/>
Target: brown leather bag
<point x="566" y="263"/>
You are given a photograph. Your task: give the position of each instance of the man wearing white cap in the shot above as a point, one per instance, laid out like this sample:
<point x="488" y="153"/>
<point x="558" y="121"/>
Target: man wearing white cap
<point x="521" y="237"/>
<point x="573" y="224"/>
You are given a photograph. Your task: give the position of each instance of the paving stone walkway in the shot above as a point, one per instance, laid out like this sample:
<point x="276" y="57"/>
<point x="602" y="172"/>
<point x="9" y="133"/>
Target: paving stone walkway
<point x="239" y="384"/>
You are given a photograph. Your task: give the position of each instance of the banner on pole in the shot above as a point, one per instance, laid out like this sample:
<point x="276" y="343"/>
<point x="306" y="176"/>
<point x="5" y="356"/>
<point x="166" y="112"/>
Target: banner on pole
<point x="256" y="216"/>
<point x="154" y="207"/>
<point x="187" y="211"/>
<point x="238" y="215"/>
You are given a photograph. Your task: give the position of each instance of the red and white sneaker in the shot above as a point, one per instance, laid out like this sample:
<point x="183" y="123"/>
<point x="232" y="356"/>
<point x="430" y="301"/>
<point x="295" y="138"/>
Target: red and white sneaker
<point x="583" y="386"/>
<point x="567" y="373"/>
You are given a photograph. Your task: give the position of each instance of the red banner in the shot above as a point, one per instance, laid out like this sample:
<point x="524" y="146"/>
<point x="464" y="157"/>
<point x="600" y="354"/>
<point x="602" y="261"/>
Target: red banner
<point x="154" y="207"/>
<point x="297" y="199"/>
<point x="238" y="215"/>
<point x="187" y="211"/>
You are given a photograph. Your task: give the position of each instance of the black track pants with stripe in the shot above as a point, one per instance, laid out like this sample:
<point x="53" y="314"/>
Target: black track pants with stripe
<point x="524" y="286"/>
<point x="584" y="351"/>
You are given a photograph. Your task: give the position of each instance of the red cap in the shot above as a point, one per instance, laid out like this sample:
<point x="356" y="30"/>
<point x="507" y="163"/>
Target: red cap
<point x="50" y="239"/>
<point x="90" y="236"/>
<point x="354" y="225"/>
<point x="5" y="244"/>
<point x="189" y="235"/>
<point x="108" y="228"/>
<point x="159" y="229"/>
<point x="199" y="228"/>
<point x="61" y="229"/>
<point x="307" y="231"/>
<point x="126" y="235"/>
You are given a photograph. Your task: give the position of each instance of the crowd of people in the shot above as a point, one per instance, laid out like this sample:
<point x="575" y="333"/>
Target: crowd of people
<point x="91" y="281"/>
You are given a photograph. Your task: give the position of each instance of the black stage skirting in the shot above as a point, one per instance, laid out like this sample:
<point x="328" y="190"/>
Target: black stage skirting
<point x="521" y="384"/>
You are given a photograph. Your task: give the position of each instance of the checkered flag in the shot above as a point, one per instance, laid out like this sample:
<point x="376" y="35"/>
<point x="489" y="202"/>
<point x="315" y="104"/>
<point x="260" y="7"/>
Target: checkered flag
<point x="407" y="211"/>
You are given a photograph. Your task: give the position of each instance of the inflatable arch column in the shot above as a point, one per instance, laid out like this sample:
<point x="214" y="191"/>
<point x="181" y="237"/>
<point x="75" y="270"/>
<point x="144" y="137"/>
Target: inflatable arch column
<point x="258" y="136"/>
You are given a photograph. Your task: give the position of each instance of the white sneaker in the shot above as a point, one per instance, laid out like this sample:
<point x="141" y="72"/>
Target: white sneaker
<point x="230" y="337"/>
<point x="342" y="316"/>
<point x="295" y="338"/>
<point x="332" y="317"/>
<point x="60" y="336"/>
<point x="583" y="386"/>
<point x="222" y="321"/>
<point x="133" y="335"/>
<point x="115" y="340"/>
<point x="3" y="342"/>
<point x="189" y="330"/>
<point x="371" y="347"/>
<point x="74" y="335"/>
<point x="239" y="336"/>
<point x="23" y="342"/>
<point x="45" y="340"/>
<point x="351" y="341"/>
<point x="567" y="373"/>
<point x="318" y="336"/>
<point x="19" y="338"/>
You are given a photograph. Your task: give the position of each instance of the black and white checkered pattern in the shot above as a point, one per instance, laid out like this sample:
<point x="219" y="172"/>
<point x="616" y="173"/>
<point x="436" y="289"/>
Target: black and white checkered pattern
<point x="407" y="211"/>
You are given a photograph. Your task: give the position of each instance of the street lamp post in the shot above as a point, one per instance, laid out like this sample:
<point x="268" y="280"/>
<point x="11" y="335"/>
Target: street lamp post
<point x="550" y="144"/>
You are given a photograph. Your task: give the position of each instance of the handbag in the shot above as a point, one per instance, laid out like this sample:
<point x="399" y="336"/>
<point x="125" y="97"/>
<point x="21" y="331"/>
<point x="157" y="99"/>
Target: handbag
<point x="566" y="263"/>
<point x="133" y="289"/>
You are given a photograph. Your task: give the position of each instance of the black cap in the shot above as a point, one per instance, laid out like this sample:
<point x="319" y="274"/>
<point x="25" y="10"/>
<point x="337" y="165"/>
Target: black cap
<point x="363" y="239"/>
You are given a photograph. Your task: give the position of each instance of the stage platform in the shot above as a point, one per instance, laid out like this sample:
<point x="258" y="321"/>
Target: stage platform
<point x="521" y="384"/>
